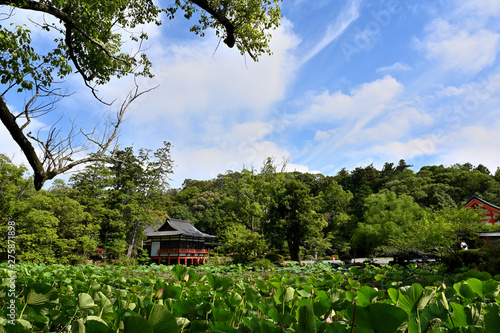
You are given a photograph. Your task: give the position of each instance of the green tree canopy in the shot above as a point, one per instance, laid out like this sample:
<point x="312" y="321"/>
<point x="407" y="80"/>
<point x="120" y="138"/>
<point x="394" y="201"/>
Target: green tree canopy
<point x="123" y="195"/>
<point x="292" y="216"/>
<point x="388" y="218"/>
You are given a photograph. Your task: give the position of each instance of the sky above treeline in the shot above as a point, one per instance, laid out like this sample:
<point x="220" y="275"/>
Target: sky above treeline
<point x="350" y="83"/>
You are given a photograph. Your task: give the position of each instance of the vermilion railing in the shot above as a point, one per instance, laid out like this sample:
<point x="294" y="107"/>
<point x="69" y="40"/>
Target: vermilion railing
<point x="199" y="251"/>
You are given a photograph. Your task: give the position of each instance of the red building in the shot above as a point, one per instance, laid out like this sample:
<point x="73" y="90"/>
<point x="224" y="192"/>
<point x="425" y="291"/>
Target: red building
<point x="177" y="242"/>
<point x="489" y="211"/>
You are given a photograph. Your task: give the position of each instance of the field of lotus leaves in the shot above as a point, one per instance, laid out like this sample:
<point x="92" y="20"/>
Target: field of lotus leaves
<point x="308" y="298"/>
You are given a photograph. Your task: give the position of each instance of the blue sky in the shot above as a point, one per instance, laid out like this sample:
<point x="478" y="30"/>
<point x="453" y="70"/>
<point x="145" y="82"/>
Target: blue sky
<point x="349" y="83"/>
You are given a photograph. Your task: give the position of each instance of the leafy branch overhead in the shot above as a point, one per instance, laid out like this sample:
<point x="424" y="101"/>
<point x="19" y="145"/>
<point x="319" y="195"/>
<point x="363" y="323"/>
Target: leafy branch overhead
<point x="90" y="41"/>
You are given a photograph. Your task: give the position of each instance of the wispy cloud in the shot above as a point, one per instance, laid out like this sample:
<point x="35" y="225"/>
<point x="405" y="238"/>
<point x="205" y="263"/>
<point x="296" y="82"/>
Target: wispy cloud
<point x="396" y="67"/>
<point x="348" y="15"/>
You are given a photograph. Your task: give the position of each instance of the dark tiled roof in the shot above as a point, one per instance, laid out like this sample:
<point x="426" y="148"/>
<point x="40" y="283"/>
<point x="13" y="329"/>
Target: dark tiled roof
<point x="173" y="227"/>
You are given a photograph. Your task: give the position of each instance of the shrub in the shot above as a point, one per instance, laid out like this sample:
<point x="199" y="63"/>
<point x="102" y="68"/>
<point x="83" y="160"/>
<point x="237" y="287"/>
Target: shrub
<point x="491" y="258"/>
<point x="346" y="258"/>
<point x="126" y="262"/>
<point x="241" y="258"/>
<point x="275" y="258"/>
<point x="216" y="259"/>
<point x="264" y="264"/>
<point x="486" y="258"/>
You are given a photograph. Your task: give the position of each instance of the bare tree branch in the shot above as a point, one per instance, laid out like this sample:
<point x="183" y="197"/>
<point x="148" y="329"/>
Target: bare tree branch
<point x="58" y="153"/>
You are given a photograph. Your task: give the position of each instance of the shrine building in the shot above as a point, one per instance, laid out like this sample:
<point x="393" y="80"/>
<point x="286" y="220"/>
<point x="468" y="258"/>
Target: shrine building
<point x="177" y="242"/>
<point x="489" y="212"/>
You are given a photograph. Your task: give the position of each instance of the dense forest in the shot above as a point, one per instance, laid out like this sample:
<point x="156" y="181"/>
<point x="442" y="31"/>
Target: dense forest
<point x="253" y="212"/>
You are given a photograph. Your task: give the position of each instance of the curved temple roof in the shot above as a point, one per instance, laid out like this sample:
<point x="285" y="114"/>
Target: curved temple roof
<point x="173" y="227"/>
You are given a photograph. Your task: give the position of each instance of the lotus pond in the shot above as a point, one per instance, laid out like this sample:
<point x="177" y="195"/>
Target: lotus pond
<point x="308" y="298"/>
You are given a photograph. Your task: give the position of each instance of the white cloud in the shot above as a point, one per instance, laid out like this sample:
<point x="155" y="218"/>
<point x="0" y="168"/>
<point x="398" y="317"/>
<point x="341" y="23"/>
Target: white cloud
<point x="450" y="91"/>
<point x="396" y="124"/>
<point x="475" y="144"/>
<point x="373" y="121"/>
<point x="321" y="136"/>
<point x="10" y="148"/>
<point x="479" y="9"/>
<point x="207" y="163"/>
<point x="409" y="149"/>
<point x="454" y="48"/>
<point x="213" y="108"/>
<point x="194" y="81"/>
<point x="483" y="89"/>
<point x="362" y="103"/>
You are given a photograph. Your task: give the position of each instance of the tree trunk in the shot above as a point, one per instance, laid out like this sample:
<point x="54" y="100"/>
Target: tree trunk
<point x="294" y="248"/>
<point x="132" y="238"/>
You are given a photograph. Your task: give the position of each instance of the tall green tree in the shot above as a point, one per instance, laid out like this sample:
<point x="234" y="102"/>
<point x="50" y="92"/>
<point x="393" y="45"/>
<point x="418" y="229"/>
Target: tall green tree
<point x="208" y="212"/>
<point x="361" y="182"/>
<point x="243" y="198"/>
<point x="443" y="230"/>
<point x="14" y="189"/>
<point x="388" y="218"/>
<point x="53" y="229"/>
<point x="292" y="216"/>
<point x="13" y="186"/>
<point x="334" y="203"/>
<point x="123" y="195"/>
<point x="242" y="242"/>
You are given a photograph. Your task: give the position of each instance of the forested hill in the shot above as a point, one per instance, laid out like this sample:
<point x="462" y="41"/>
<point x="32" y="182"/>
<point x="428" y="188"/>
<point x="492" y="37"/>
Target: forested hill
<point x="360" y="212"/>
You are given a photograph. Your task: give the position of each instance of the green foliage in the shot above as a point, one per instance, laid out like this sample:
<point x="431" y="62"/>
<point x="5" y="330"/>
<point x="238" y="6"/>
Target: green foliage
<point x="109" y="204"/>
<point x="275" y="258"/>
<point x="295" y="298"/>
<point x="292" y="216"/>
<point x="389" y="221"/>
<point x="486" y="258"/>
<point x="243" y="243"/>
<point x="122" y="196"/>
<point x="105" y="205"/>
<point x="262" y="264"/>
<point x="252" y="22"/>
<point x="90" y="41"/>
